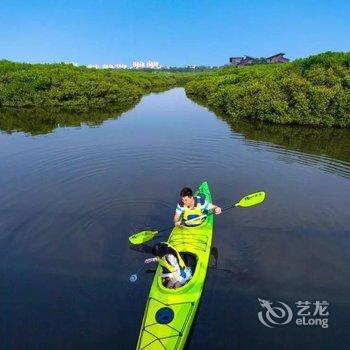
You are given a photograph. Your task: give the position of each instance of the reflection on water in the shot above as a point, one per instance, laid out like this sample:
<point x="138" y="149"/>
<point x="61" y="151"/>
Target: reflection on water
<point x="326" y="148"/>
<point x="36" y="121"/>
<point x="43" y="121"/>
<point x="330" y="142"/>
<point x="71" y="198"/>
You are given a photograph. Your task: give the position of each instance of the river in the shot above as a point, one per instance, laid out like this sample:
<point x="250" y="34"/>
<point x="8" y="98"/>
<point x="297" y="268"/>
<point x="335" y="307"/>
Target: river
<point x="70" y="198"/>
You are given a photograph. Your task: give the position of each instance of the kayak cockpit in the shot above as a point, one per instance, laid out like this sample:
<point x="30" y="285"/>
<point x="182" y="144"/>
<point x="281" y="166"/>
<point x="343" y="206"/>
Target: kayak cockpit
<point x="190" y="261"/>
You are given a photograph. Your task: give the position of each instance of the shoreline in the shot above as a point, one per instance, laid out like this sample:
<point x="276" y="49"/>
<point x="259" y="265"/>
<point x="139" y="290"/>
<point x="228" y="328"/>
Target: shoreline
<point x="314" y="91"/>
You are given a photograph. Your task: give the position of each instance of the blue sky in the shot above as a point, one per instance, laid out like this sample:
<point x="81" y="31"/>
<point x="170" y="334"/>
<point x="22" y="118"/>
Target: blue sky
<point x="174" y="32"/>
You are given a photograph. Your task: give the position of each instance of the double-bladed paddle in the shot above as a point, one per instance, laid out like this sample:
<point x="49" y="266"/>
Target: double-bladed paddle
<point x="247" y="201"/>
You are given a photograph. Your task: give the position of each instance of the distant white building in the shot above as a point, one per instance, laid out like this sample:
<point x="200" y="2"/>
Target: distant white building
<point x="75" y="64"/>
<point x="135" y="65"/>
<point x="138" y="64"/>
<point x="153" y="64"/>
<point x="107" y="66"/>
<point x="120" y="66"/>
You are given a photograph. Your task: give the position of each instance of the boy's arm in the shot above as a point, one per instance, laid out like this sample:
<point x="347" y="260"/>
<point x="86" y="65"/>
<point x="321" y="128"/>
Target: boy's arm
<point x="150" y="260"/>
<point x="177" y="219"/>
<point x="216" y="210"/>
<point x="210" y="206"/>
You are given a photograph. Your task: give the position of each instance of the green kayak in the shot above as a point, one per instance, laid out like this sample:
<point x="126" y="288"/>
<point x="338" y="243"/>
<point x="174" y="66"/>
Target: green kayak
<point x="169" y="312"/>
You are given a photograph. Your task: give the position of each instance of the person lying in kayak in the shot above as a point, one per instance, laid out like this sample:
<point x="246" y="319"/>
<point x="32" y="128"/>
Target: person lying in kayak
<point x="174" y="271"/>
<point x="191" y="206"/>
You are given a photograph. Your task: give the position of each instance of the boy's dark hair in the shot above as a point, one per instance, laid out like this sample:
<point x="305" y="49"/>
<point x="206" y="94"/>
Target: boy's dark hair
<point x="161" y="249"/>
<point x="186" y="192"/>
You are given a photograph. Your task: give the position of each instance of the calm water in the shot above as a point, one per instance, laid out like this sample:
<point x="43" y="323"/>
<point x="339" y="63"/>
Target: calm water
<point x="70" y="199"/>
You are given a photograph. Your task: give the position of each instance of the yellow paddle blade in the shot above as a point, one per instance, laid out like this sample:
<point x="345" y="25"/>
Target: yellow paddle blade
<point x="251" y="199"/>
<point x="142" y="237"/>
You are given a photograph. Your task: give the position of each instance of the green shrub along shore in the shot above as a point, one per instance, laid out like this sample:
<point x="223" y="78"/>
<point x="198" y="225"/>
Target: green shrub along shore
<point x="63" y="85"/>
<point x="312" y="91"/>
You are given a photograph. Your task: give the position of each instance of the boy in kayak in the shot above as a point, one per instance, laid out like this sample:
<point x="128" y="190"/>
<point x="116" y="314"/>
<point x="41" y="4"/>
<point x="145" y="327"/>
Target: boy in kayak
<point x="174" y="271"/>
<point x="191" y="206"/>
